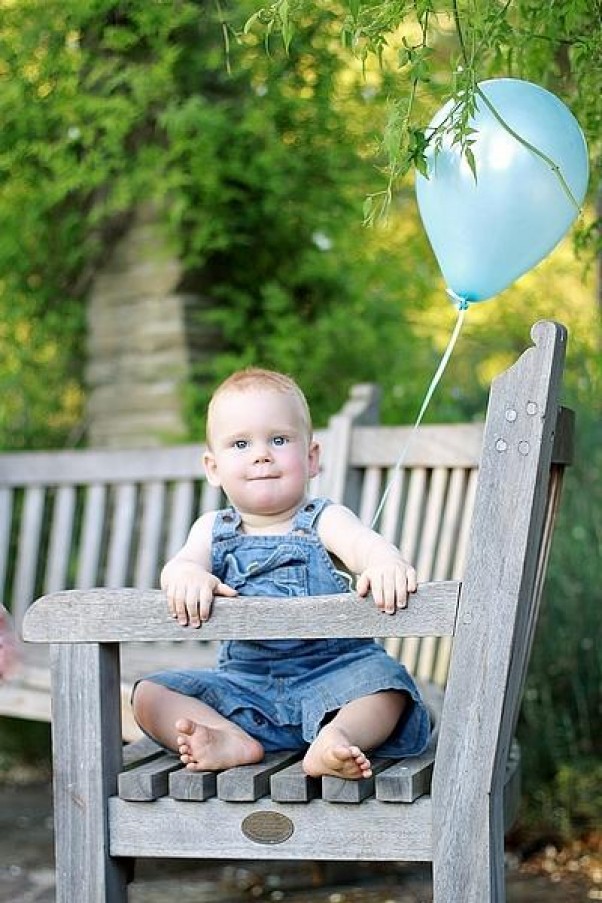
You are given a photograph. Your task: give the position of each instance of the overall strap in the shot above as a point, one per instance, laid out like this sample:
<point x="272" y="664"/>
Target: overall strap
<point x="226" y="524"/>
<point x="308" y="514"/>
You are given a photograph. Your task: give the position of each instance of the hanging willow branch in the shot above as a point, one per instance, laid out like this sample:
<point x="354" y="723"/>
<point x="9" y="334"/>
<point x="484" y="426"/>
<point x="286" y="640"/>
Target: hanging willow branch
<point x="367" y="29"/>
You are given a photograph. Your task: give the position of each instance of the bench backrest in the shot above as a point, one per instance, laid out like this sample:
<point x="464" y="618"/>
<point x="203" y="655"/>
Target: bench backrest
<point x="85" y="518"/>
<point x="98" y="517"/>
<point x="79" y="519"/>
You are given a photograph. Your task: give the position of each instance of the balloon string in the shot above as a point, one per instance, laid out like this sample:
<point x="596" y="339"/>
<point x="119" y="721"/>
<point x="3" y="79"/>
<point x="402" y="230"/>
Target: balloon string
<point x="462" y="308"/>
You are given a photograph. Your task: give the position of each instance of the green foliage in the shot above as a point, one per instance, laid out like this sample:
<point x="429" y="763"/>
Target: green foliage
<point x="255" y="167"/>
<point x="562" y="710"/>
<point x="566" y="807"/>
<point x="441" y="50"/>
<point x="25" y="748"/>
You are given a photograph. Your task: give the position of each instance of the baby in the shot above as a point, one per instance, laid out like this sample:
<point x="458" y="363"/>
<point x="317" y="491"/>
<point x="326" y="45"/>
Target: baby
<point x="338" y="700"/>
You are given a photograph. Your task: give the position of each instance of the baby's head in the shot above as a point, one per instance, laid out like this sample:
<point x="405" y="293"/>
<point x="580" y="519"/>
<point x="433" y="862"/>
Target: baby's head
<point x="260" y="448"/>
<point x="253" y="380"/>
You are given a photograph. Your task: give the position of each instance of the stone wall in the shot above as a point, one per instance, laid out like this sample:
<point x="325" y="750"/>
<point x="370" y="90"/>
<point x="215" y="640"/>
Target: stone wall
<point x="142" y="342"/>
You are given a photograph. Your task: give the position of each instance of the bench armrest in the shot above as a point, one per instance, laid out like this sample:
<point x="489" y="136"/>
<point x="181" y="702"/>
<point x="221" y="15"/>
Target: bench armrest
<point x="120" y="615"/>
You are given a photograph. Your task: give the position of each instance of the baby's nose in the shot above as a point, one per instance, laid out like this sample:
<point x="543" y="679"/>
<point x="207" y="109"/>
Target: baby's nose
<point x="263" y="454"/>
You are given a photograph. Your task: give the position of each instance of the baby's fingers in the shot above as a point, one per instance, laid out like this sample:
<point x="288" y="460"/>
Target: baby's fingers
<point x="176" y="600"/>
<point x="194" y="605"/>
<point x="222" y="589"/>
<point x="362" y="586"/>
<point x="206" y="597"/>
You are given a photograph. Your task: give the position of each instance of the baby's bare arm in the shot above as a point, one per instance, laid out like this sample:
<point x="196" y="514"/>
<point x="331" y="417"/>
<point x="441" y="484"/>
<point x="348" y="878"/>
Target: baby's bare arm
<point x="187" y="581"/>
<point x="380" y="566"/>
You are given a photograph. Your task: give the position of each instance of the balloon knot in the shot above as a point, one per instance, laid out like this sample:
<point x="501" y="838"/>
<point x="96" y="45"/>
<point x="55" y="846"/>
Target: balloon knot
<point x="461" y="302"/>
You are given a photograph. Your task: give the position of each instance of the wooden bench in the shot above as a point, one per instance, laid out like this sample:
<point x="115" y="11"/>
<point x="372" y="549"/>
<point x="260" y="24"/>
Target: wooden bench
<point x="79" y="519"/>
<point x="111" y="806"/>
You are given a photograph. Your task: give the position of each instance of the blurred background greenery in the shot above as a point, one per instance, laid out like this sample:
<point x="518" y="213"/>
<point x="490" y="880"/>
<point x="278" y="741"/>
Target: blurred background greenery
<point x="259" y="163"/>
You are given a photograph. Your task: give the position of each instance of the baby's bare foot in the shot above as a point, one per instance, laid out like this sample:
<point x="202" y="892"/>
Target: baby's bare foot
<point x="204" y="748"/>
<point x="331" y="753"/>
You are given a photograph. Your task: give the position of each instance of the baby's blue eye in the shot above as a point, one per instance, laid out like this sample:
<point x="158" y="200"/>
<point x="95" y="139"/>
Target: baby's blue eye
<point x="279" y="440"/>
<point x="241" y="444"/>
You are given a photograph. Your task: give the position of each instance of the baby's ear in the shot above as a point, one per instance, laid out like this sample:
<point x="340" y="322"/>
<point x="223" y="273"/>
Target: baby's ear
<point x="210" y="466"/>
<point x="314" y="458"/>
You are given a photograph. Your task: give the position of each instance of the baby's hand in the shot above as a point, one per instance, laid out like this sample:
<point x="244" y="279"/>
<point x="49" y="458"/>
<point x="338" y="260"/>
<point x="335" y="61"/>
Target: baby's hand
<point x="389" y="579"/>
<point x="190" y="590"/>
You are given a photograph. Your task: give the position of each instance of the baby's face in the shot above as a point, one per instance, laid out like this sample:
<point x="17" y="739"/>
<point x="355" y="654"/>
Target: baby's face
<point x="261" y="452"/>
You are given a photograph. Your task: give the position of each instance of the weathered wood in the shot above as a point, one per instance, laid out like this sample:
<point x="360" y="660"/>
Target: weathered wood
<point x="5" y="521"/>
<point x="181" y="517"/>
<point x="59" y="550"/>
<point x="88" y="466"/>
<point x="148" y="781"/>
<point x="150" y="529"/>
<point x="250" y="782"/>
<point x="88" y="566"/>
<point x="170" y="828"/>
<point x="339" y="790"/>
<point x="475" y="784"/>
<point x="86" y="761"/>
<point x="194" y="786"/>
<point x="452" y="445"/>
<point x="489" y="649"/>
<point x="405" y="781"/>
<point x="28" y="552"/>
<point x="120" y="615"/>
<point x="139" y="751"/>
<point x="293" y="785"/>
<point x="121" y="535"/>
<point x="337" y="481"/>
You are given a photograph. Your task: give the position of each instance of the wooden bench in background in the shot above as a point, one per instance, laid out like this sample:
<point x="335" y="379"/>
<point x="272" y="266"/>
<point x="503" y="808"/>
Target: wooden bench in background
<point x="98" y="517"/>
<point x="481" y="548"/>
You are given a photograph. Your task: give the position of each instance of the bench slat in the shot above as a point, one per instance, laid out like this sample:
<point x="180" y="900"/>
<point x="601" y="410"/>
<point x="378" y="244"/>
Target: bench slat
<point x="451" y="517"/>
<point x="370" y="495"/>
<point x="340" y="790"/>
<point x="153" y="505"/>
<point x="451" y="445"/>
<point x="139" y="751"/>
<point x="5" y="520"/>
<point x="105" y="615"/>
<point x="61" y="532"/>
<point x="250" y="782"/>
<point x="194" y="786"/>
<point x="91" y="538"/>
<point x="181" y="516"/>
<point x="431" y="525"/>
<point x="29" y="551"/>
<point x="405" y="781"/>
<point x="390" y="515"/>
<point x="293" y="785"/>
<point x="124" y="512"/>
<point x="148" y="781"/>
<point x="321" y="831"/>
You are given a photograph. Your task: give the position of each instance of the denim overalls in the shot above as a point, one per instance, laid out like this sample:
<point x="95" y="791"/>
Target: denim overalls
<point x="281" y="691"/>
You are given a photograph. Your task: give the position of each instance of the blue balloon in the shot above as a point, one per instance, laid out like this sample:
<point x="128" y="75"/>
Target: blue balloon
<point x="487" y="232"/>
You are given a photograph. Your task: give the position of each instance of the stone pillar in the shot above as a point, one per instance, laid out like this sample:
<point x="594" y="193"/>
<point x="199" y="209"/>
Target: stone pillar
<point x="142" y="342"/>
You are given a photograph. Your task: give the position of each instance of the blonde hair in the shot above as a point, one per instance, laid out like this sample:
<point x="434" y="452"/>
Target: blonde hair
<point x="257" y="378"/>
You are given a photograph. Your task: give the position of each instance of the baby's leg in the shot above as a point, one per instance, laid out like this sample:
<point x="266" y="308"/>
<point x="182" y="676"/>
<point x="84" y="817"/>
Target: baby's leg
<point x="204" y="739"/>
<point x="362" y="724"/>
